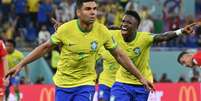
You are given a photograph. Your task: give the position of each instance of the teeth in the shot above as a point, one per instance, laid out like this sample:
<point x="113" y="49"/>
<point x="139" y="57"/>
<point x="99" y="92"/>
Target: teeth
<point x="124" y="28"/>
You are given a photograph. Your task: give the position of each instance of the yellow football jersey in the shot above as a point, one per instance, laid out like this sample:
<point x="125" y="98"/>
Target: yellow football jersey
<point x="14" y="58"/>
<point x="110" y="65"/>
<point x="76" y="66"/>
<point x="139" y="52"/>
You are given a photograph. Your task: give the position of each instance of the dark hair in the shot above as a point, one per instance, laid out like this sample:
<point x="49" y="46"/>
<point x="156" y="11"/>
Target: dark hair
<point x="11" y="41"/>
<point x="134" y="14"/>
<point x="180" y="55"/>
<point x="79" y="3"/>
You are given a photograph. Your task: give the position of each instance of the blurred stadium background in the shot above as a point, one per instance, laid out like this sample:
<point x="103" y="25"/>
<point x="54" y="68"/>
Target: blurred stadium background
<point x="28" y="23"/>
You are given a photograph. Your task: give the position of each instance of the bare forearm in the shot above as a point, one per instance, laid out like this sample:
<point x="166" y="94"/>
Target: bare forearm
<point x="35" y="54"/>
<point x="165" y="36"/>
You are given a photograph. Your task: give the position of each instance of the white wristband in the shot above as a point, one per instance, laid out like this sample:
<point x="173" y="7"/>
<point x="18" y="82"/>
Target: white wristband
<point x="179" y="31"/>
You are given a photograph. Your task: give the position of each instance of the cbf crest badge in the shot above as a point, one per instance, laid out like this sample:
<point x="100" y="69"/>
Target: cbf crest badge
<point x="94" y="46"/>
<point x="137" y="51"/>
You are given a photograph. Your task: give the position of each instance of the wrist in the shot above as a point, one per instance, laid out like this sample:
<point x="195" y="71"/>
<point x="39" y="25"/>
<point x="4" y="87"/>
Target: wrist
<point x="20" y="65"/>
<point x="179" y="31"/>
<point x="142" y="80"/>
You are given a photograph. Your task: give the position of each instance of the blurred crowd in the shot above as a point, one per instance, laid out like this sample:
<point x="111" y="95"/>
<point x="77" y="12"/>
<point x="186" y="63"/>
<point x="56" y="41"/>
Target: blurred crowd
<point x="194" y="76"/>
<point x="28" y="22"/>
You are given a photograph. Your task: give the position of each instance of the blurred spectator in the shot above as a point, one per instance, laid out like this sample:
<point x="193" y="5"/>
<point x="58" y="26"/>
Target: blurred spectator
<point x="182" y="78"/>
<point x="164" y="78"/>
<point x="33" y="6"/>
<point x="14" y="57"/>
<point x="110" y="13"/>
<point x="195" y="79"/>
<point x="67" y="9"/>
<point x="6" y="9"/>
<point x="132" y="5"/>
<point x="191" y="41"/>
<point x="59" y="14"/>
<point x="31" y="33"/>
<point x="119" y="11"/>
<point x="54" y="59"/>
<point x="44" y="13"/>
<point x="20" y="7"/>
<point x="101" y="14"/>
<point x="43" y="35"/>
<point x="39" y="80"/>
<point x="154" y="77"/>
<point x="198" y="33"/>
<point x="147" y="24"/>
<point x="123" y="3"/>
<point x="9" y="29"/>
<point x="198" y="8"/>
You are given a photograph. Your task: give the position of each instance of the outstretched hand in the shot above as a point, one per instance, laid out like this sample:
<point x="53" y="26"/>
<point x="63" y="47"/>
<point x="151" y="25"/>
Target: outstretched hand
<point x="188" y="29"/>
<point x="12" y="72"/>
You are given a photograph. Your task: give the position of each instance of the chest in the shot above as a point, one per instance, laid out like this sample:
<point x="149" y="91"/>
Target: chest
<point x="83" y="43"/>
<point x="135" y="48"/>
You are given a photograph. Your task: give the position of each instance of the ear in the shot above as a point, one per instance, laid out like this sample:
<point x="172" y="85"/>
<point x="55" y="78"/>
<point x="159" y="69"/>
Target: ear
<point x="78" y="12"/>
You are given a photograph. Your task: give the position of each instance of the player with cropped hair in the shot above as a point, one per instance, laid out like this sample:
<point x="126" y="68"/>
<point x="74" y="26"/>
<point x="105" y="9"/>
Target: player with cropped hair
<point x="137" y="46"/>
<point x="190" y="59"/>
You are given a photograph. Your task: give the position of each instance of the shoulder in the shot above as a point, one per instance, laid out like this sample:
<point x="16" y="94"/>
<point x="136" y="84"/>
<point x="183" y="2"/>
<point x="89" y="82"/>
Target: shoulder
<point x="146" y="36"/>
<point x="67" y="25"/>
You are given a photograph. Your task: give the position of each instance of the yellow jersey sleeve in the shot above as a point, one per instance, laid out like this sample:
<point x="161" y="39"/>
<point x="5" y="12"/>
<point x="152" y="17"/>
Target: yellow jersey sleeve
<point x="110" y="43"/>
<point x="58" y="36"/>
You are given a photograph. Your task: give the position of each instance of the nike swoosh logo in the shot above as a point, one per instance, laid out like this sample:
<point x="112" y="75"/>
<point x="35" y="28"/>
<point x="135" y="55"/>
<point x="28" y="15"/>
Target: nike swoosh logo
<point x="71" y="44"/>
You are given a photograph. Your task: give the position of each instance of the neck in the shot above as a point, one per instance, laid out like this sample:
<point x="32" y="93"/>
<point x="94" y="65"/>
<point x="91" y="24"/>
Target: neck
<point x="130" y="37"/>
<point x="84" y="27"/>
<point x="10" y="52"/>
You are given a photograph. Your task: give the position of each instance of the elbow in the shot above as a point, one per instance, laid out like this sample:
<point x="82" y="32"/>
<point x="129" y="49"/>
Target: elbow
<point x="45" y="47"/>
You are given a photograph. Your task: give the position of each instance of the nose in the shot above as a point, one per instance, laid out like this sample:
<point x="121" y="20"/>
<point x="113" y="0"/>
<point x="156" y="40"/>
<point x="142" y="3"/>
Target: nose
<point x="93" y="12"/>
<point x="123" y="24"/>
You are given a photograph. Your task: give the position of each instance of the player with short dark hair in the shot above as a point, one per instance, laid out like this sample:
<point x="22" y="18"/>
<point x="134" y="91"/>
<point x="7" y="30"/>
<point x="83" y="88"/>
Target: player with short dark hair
<point x="137" y="46"/>
<point x="189" y="59"/>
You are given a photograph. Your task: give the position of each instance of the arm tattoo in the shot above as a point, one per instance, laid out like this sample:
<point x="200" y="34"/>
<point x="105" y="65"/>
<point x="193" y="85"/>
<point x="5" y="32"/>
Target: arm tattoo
<point x="165" y="36"/>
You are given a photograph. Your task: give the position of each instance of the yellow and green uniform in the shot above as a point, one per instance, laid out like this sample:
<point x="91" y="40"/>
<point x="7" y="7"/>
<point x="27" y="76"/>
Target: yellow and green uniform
<point x="138" y="51"/>
<point x="54" y="58"/>
<point x="110" y="65"/>
<point x="14" y="58"/>
<point x="76" y="66"/>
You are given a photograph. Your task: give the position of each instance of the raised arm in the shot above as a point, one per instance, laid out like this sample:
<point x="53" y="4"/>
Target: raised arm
<point x="124" y="60"/>
<point x="35" y="54"/>
<point x="173" y="34"/>
<point x="165" y="36"/>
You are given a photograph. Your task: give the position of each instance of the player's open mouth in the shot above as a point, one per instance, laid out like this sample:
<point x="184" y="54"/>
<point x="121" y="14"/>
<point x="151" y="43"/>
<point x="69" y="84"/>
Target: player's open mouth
<point x="124" y="28"/>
